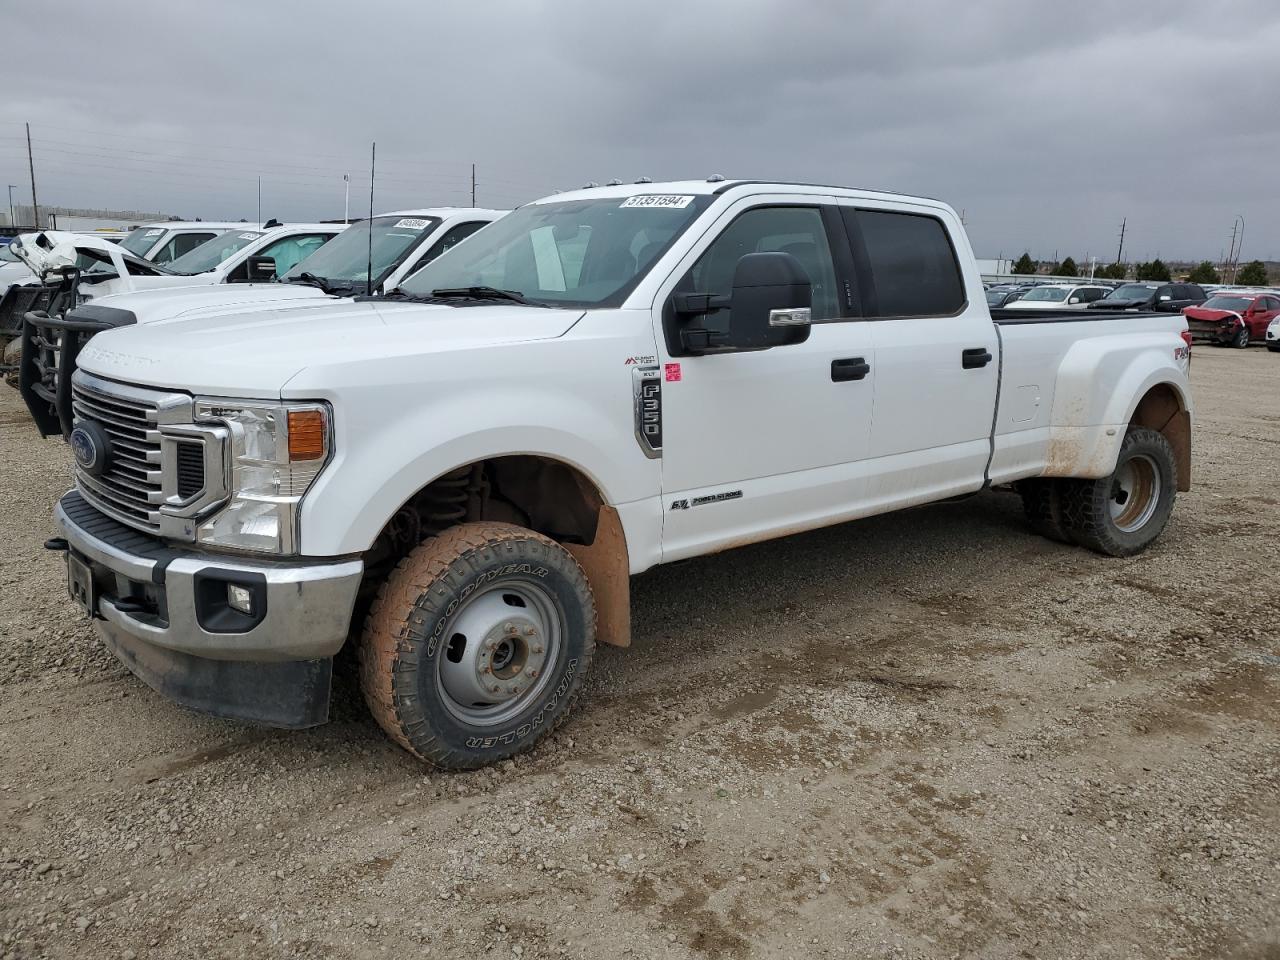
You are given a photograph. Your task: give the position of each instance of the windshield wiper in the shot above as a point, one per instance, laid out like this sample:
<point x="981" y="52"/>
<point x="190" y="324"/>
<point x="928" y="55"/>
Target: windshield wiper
<point x="480" y="293"/>
<point x="328" y="286"/>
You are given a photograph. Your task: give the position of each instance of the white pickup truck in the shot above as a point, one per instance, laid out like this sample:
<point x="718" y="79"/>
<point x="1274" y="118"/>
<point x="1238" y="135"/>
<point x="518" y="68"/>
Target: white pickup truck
<point x="401" y="243"/>
<point x="460" y="477"/>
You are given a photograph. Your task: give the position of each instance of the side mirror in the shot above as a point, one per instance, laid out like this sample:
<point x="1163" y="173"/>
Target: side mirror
<point x="768" y="307"/>
<point x="260" y="269"/>
<point x="1074" y="300"/>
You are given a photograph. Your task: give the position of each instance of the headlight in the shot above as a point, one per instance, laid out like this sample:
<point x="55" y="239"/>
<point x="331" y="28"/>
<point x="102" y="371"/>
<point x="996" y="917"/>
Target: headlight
<point x="277" y="451"/>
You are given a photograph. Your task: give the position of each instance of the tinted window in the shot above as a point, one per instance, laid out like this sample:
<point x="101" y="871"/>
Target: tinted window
<point x="913" y="266"/>
<point x="1090" y="294"/>
<point x="798" y="231"/>
<point x="1194" y="292"/>
<point x="453" y="236"/>
<point x="180" y="244"/>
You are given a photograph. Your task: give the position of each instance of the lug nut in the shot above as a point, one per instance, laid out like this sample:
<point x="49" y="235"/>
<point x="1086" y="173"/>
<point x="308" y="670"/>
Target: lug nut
<point x="530" y="632"/>
<point x="495" y="689"/>
<point x="535" y="649"/>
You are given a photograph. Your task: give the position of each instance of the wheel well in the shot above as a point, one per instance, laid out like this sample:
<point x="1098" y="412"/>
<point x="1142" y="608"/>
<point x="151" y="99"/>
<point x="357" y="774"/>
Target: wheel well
<point x="539" y="493"/>
<point x="1161" y="409"/>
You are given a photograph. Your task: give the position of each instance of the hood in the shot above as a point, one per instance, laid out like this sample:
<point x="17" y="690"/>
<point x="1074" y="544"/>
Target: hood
<point x="256" y="354"/>
<point x="1108" y="303"/>
<point x="52" y="250"/>
<point x="1205" y="313"/>
<point x="180" y="303"/>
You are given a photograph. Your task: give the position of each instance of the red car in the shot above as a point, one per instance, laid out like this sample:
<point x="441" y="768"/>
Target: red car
<point x="1233" y="319"/>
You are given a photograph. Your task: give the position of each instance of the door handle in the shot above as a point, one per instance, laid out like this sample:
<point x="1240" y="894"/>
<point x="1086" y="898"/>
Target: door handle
<point x="975" y="357"/>
<point x="850" y="368"/>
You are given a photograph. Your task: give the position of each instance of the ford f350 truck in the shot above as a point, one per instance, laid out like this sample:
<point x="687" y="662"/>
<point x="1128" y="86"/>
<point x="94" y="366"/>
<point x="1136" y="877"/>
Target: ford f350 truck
<point x="377" y="253"/>
<point x="460" y="477"/>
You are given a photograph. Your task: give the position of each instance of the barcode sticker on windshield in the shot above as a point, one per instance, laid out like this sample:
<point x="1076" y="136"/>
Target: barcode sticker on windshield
<point x="153" y="233"/>
<point x="409" y="223"/>
<point x="657" y="200"/>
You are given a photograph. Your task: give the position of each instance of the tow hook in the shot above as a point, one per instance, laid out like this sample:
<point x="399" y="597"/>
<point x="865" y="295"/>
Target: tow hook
<point x="57" y="543"/>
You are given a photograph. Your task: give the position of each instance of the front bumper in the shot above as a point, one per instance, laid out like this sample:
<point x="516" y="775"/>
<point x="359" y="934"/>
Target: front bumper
<point x="162" y="611"/>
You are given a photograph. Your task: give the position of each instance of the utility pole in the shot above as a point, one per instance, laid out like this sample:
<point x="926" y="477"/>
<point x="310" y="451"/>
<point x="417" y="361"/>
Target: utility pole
<point x="259" y="201"/>
<point x="31" y="165"/>
<point x="13" y="222"/>
<point x="473" y="185"/>
<point x="346" y="202"/>
<point x="1120" y="252"/>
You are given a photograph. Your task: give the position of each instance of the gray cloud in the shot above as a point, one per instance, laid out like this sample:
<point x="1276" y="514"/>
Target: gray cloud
<point x="1045" y="128"/>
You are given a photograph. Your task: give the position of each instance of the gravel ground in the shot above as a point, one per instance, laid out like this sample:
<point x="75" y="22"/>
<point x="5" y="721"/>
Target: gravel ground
<point x="923" y="735"/>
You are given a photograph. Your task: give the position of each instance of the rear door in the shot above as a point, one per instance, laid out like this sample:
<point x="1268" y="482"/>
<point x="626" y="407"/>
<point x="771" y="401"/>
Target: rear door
<point x="936" y="353"/>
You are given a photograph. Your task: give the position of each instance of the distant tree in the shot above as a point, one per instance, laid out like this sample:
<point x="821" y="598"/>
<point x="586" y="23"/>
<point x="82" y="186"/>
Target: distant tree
<point x="1204" y="273"/>
<point x="1113" y="271"/>
<point x="1067" y="268"/>
<point x="1155" y="270"/>
<point x="1253" y="274"/>
<point x="1025" y="264"/>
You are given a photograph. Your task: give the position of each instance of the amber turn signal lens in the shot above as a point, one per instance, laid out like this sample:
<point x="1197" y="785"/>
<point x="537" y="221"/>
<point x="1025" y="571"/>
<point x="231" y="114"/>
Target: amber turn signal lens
<point x="306" y="434"/>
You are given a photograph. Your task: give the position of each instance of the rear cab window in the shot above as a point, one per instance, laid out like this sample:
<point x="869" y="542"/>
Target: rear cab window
<point x="907" y="262"/>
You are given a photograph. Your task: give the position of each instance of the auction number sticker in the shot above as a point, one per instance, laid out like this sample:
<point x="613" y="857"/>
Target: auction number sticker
<point x="658" y="200"/>
<point x="248" y="236"/>
<point x="154" y="233"/>
<point x="409" y="223"/>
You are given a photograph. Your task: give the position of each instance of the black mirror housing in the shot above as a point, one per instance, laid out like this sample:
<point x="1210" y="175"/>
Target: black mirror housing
<point x="762" y="283"/>
<point x="260" y="269"/>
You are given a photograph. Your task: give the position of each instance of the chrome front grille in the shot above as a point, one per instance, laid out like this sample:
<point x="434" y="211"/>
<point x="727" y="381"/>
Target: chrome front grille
<point x="129" y="489"/>
<point x="162" y="472"/>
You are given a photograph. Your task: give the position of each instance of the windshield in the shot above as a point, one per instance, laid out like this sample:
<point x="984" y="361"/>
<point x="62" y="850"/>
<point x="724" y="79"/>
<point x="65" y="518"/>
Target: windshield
<point x="1132" y="291"/>
<point x="1047" y="294"/>
<point x="212" y="252"/>
<point x="584" y="253"/>
<point x="346" y="256"/>
<point x="142" y="239"/>
<point x="7" y="255"/>
<point x="1238" y="304"/>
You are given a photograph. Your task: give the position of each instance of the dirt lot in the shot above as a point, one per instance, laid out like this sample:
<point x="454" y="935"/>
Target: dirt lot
<point x="924" y="735"/>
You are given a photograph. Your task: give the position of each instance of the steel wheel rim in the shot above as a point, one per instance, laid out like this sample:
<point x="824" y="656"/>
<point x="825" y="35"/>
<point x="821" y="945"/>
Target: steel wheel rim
<point x="1135" y="493"/>
<point x="498" y="653"/>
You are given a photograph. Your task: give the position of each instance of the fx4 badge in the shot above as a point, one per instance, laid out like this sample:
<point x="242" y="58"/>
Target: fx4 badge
<point x="707" y="498"/>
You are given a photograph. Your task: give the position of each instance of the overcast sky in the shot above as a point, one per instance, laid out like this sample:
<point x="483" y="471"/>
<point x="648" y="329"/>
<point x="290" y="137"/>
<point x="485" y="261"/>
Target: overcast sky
<point x="1045" y="123"/>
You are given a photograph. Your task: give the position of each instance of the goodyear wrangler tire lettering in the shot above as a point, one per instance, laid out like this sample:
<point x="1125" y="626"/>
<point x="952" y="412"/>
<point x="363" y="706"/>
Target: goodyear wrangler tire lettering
<point x="411" y="656"/>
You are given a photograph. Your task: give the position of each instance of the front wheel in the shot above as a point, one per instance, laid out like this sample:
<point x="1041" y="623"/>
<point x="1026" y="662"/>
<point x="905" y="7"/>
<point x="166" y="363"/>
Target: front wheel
<point x="1122" y="514"/>
<point x="477" y="644"/>
<point x="1241" y="339"/>
<point x="1274" y="347"/>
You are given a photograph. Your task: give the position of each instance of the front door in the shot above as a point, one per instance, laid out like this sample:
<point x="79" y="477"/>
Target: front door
<point x="757" y="443"/>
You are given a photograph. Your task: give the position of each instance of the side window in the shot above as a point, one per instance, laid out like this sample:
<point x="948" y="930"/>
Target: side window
<point x="913" y="267"/>
<point x="1090" y="294"/>
<point x="798" y="231"/>
<point x="1272" y="304"/>
<point x="165" y="252"/>
<point x="453" y="236"/>
<point x="288" y="252"/>
<point x="184" y="243"/>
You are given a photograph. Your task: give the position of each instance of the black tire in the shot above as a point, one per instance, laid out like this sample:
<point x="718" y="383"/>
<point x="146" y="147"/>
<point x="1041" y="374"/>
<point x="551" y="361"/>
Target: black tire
<point x="1122" y="514"/>
<point x="407" y="652"/>
<point x="1274" y="347"/>
<point x="1042" y="503"/>
<point x="1241" y="338"/>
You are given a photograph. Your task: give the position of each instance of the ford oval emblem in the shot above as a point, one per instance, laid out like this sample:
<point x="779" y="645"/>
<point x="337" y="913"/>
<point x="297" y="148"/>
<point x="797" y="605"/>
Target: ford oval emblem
<point x="91" y="447"/>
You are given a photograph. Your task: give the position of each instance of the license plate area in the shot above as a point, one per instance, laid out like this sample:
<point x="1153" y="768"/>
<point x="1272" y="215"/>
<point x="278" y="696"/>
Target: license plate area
<point x="80" y="585"/>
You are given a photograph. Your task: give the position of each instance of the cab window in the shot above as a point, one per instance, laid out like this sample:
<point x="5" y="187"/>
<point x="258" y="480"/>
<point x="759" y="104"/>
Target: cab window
<point x="799" y="231"/>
